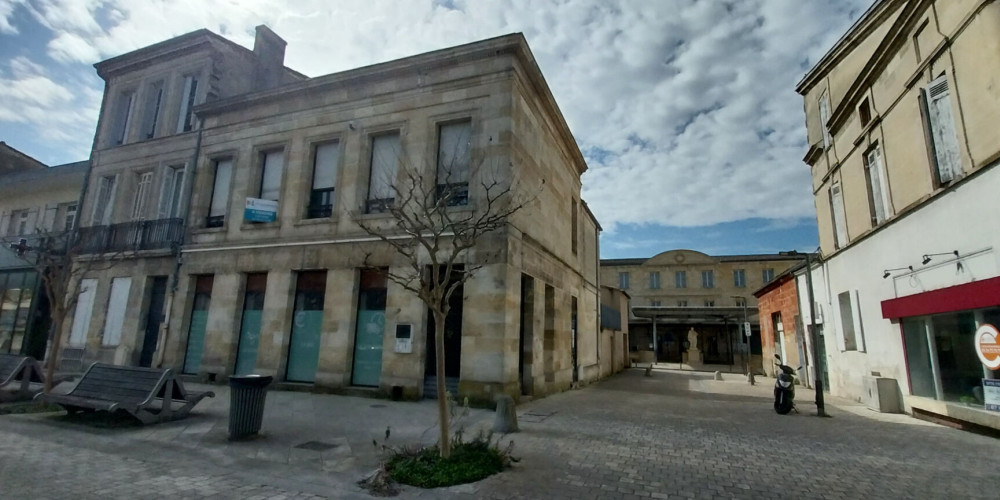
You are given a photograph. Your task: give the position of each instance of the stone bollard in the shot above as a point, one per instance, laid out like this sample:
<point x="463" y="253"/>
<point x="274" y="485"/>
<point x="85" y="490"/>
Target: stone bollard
<point x="718" y="375"/>
<point x="506" y="419"/>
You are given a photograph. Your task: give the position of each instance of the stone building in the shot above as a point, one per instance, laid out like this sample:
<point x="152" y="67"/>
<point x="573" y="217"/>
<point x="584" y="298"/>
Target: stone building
<point x="900" y="116"/>
<point x="238" y="189"/>
<point x="687" y="307"/>
<point x="34" y="199"/>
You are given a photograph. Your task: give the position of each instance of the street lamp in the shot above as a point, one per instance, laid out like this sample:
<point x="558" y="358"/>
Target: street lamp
<point x="820" y="406"/>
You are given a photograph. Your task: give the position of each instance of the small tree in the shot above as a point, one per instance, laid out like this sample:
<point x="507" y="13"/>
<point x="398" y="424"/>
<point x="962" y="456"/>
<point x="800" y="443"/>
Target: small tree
<point x="433" y="224"/>
<point x="58" y="258"/>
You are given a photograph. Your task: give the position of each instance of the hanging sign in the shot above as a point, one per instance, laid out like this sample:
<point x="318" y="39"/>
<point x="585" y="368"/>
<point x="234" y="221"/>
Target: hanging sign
<point x="988" y="346"/>
<point x="258" y="210"/>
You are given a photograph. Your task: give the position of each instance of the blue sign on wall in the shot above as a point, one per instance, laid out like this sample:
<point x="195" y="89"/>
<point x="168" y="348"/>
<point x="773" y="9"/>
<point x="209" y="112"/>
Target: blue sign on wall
<point x="258" y="210"/>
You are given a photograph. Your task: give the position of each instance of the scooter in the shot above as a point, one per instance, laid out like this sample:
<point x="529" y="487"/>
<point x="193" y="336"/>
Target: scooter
<point x="784" y="389"/>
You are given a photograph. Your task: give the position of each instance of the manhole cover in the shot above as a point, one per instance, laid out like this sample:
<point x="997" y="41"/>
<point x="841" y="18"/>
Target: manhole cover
<point x="378" y="406"/>
<point x="316" y="446"/>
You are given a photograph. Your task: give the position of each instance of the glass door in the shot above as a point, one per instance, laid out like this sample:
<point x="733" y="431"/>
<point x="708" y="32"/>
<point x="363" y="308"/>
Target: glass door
<point x="253" y="308"/>
<point x="199" y="323"/>
<point x="307" y="323"/>
<point x="369" y="330"/>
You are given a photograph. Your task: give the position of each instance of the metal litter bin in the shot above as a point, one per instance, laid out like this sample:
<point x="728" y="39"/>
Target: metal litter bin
<point x="246" y="404"/>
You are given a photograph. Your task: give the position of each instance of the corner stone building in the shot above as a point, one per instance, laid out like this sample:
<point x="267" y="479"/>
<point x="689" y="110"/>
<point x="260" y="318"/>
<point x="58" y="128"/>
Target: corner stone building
<point x="234" y="186"/>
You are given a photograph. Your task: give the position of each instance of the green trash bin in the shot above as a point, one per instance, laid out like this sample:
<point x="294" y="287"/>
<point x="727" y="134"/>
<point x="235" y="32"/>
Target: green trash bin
<point x="246" y="404"/>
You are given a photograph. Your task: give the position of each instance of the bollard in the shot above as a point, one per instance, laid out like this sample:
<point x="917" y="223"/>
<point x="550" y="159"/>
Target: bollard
<point x="506" y="418"/>
<point x="718" y="375"/>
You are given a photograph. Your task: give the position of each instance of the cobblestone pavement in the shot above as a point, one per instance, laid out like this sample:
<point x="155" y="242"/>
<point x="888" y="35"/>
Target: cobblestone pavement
<point x="671" y="435"/>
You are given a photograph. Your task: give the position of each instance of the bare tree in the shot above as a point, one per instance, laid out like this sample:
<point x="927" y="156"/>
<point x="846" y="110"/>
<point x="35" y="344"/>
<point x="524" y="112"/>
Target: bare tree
<point x="433" y="223"/>
<point x="60" y="258"/>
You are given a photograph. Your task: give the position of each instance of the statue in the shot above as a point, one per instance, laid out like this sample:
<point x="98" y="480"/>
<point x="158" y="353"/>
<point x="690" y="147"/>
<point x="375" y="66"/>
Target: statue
<point x="693" y="355"/>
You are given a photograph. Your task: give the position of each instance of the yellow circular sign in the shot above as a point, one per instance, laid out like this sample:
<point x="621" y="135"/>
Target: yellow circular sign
<point x="988" y="346"/>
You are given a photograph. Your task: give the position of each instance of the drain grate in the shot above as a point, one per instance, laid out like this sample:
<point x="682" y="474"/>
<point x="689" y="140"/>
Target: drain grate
<point x="535" y="416"/>
<point x="316" y="446"/>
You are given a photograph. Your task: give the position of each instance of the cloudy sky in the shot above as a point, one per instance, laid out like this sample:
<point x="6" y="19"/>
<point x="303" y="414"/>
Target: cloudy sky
<point x="685" y="109"/>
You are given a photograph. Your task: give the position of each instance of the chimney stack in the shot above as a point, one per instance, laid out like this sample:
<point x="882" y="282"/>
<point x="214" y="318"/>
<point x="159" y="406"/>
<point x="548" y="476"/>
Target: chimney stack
<point x="269" y="49"/>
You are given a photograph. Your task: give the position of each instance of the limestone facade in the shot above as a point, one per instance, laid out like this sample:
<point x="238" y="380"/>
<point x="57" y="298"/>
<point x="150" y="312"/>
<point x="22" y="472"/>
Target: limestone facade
<point x="294" y="296"/>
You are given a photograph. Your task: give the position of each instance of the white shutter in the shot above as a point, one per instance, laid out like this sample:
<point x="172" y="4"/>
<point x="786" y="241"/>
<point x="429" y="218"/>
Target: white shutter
<point x="141" y="193"/>
<point x="182" y="116"/>
<point x="876" y="174"/>
<point x="171" y="192"/>
<point x="166" y="189"/>
<point x="824" y="117"/>
<point x="859" y="331"/>
<point x="942" y="123"/>
<point x="104" y="204"/>
<point x="117" y="305"/>
<point x="84" y="309"/>
<point x="839" y="215"/>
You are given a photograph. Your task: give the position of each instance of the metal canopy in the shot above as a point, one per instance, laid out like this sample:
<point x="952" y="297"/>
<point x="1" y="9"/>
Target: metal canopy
<point x="701" y="315"/>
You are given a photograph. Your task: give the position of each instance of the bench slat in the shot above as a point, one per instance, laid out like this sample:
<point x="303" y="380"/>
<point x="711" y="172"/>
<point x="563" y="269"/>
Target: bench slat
<point x="109" y="382"/>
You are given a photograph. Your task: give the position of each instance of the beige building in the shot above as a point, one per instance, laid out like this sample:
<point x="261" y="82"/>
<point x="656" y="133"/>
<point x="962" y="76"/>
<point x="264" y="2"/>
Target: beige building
<point x="903" y="157"/>
<point x="245" y="203"/>
<point x="34" y="199"/>
<point x="687" y="306"/>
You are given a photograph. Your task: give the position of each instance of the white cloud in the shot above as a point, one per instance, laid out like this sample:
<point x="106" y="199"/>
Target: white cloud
<point x="686" y="109"/>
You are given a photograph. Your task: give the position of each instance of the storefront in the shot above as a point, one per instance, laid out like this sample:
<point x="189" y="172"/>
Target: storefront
<point x="23" y="323"/>
<point x="939" y="339"/>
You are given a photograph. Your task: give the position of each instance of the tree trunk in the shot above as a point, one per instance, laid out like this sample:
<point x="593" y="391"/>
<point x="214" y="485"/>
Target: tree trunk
<point x="441" y="387"/>
<point x="54" y="347"/>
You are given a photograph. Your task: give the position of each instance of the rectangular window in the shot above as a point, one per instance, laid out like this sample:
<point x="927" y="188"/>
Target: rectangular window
<point x="655" y="303"/>
<point x="117" y="306"/>
<point x="865" y="112"/>
<point x="19" y="223"/>
<point x="172" y="192"/>
<point x="878" y="190"/>
<point x="740" y="301"/>
<point x="105" y="199"/>
<point x="70" y="221"/>
<point x="839" y="215"/>
<point x="767" y="275"/>
<point x="573" y="230"/>
<point x="382" y="175"/>
<point x="824" y="117"/>
<point x="680" y="279"/>
<point x="682" y="303"/>
<point x="941" y="124"/>
<point x="185" y="119"/>
<point x="154" y="98"/>
<point x="220" y="193"/>
<point x="623" y="281"/>
<point x="123" y="116"/>
<point x="708" y="279"/>
<point x="740" y="278"/>
<point x="143" y="181"/>
<point x="709" y="303"/>
<point x="270" y="177"/>
<point x="654" y="280"/>
<point x="454" y="163"/>
<point x="326" y="163"/>
<point x="850" y="321"/>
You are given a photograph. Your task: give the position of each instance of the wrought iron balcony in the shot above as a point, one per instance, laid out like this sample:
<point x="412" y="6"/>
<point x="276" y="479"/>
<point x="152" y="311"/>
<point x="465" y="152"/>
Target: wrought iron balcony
<point x="132" y="236"/>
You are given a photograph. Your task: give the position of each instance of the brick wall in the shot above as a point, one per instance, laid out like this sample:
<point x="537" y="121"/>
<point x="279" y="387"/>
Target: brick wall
<point x="783" y="299"/>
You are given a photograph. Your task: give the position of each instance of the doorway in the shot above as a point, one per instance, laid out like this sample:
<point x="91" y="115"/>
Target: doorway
<point x="452" y="342"/>
<point x="307" y="323"/>
<point x="199" y="323"/>
<point x="369" y="329"/>
<point x="154" y="318"/>
<point x="527" y="334"/>
<point x="253" y="309"/>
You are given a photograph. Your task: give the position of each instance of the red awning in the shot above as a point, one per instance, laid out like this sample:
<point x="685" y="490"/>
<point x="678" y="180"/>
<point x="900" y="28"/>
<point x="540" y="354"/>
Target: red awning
<point x="975" y="295"/>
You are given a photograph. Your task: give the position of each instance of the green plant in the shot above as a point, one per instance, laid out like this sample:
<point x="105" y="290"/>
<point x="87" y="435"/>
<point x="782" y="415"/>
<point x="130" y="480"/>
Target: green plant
<point x="469" y="461"/>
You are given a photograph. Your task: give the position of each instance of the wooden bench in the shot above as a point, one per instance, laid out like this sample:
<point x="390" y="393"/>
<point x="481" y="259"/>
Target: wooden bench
<point x="20" y="371"/>
<point x="148" y="394"/>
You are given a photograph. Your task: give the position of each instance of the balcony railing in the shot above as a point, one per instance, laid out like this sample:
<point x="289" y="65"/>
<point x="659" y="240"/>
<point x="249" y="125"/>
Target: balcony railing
<point x="131" y="236"/>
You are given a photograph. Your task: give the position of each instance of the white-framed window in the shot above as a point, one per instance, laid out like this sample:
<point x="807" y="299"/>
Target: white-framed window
<point x="154" y="99"/>
<point x="326" y="164"/>
<point x="106" y="187"/>
<point x="767" y="275"/>
<point x="740" y="278"/>
<point x="824" y="117"/>
<point x="654" y="280"/>
<point x="385" y="159"/>
<point x="944" y="137"/>
<point x="680" y="279"/>
<point x="272" y="165"/>
<point x="172" y="192"/>
<point x="708" y="279"/>
<point x="623" y="279"/>
<point x="709" y="303"/>
<point x="878" y="189"/>
<point x="123" y="116"/>
<point x="220" y="193"/>
<point x="186" y="118"/>
<point x="454" y="162"/>
<point x="143" y="183"/>
<point x="839" y="215"/>
<point x="740" y="301"/>
<point x="69" y="222"/>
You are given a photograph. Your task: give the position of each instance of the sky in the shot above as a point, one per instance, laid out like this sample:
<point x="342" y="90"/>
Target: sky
<point x="685" y="110"/>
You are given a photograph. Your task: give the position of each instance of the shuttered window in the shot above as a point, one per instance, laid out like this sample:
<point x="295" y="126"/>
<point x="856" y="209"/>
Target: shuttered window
<point x="141" y="195"/>
<point x="839" y="216"/>
<point x="220" y="193"/>
<point x="105" y="200"/>
<point x="185" y="118"/>
<point x="154" y="99"/>
<point x="878" y="188"/>
<point x="944" y="139"/>
<point x="824" y="117"/>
